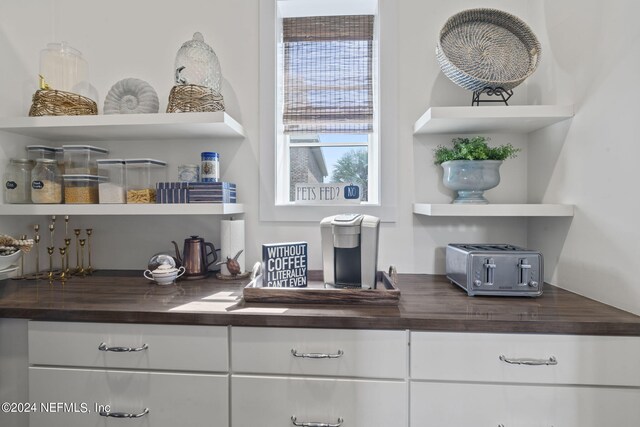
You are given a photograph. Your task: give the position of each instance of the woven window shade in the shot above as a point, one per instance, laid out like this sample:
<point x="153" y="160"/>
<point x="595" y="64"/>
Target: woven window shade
<point x="328" y="85"/>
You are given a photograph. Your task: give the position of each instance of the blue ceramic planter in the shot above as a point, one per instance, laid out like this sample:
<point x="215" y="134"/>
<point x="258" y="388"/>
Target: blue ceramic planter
<point x="471" y="178"/>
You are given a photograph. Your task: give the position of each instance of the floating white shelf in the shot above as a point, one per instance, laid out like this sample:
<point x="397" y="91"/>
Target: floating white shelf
<point x="500" y="119"/>
<point x="509" y="210"/>
<point x="125" y="209"/>
<point x="125" y="127"/>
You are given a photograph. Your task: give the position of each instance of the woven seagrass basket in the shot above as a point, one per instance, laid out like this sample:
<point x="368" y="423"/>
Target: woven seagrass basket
<point x="194" y="98"/>
<point x="48" y="102"/>
<point x="487" y="48"/>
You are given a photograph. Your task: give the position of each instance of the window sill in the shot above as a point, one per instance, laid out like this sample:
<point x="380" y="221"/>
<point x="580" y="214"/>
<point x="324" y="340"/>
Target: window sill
<point x="314" y="213"/>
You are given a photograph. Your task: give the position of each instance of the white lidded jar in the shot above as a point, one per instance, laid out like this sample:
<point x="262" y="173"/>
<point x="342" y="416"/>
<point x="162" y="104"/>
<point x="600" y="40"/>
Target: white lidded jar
<point x="17" y="181"/>
<point x="46" y="182"/>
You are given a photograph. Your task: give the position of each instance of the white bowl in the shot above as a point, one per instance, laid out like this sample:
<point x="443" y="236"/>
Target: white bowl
<point x="9" y="260"/>
<point x="164" y="278"/>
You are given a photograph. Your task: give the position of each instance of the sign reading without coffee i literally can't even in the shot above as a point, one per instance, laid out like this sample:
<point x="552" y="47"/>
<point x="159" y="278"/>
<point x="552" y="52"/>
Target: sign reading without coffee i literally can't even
<point x="284" y="265"/>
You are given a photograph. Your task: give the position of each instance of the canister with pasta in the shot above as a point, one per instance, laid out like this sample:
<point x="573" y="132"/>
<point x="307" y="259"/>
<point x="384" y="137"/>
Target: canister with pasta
<point x="142" y="176"/>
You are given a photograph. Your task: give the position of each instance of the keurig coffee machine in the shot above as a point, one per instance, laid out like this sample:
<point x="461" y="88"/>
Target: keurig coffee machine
<point x="350" y="250"/>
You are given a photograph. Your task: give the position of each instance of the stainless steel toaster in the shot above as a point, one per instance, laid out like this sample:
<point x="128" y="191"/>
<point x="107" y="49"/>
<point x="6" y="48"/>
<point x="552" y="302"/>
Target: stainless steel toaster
<point x="495" y="269"/>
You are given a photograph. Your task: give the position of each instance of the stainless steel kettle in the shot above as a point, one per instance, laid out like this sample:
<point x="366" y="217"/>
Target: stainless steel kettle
<point x="195" y="257"/>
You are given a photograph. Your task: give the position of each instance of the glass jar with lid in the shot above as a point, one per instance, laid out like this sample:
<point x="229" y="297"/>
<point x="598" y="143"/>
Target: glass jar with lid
<point x="197" y="64"/>
<point x="46" y="182"/>
<point x="17" y="181"/>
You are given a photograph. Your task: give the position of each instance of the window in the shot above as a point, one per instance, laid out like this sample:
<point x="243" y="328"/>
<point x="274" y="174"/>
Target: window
<point x="327" y="103"/>
<point x="374" y="147"/>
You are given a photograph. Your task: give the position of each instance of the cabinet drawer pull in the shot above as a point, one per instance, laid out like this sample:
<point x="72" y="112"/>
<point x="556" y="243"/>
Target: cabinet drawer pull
<point x="531" y="362"/>
<point x="295" y="422"/>
<point x="144" y="412"/>
<point x="295" y="353"/>
<point x="104" y="347"/>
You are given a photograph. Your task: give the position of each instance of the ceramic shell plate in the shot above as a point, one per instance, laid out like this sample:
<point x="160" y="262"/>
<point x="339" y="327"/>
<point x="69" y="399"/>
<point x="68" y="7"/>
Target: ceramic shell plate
<point x="131" y="96"/>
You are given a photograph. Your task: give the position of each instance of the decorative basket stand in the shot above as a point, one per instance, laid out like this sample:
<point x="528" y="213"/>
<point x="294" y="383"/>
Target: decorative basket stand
<point x="504" y="95"/>
<point x="49" y="102"/>
<point x="193" y="98"/>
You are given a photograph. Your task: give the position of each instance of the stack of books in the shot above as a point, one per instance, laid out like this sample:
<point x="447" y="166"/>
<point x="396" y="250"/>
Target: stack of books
<point x="196" y="192"/>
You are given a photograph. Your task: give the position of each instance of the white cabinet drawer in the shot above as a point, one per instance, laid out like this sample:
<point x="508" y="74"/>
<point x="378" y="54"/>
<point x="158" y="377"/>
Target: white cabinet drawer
<point x="355" y="353"/>
<point x="172" y="399"/>
<point x="271" y="402"/>
<point x="483" y="405"/>
<point x="170" y="347"/>
<point x="598" y="360"/>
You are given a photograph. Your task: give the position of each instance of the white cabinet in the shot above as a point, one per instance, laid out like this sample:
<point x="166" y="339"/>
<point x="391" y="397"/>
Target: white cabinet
<point x="170" y="347"/>
<point x="464" y="379"/>
<point x="159" y="399"/>
<point x="330" y="352"/>
<point x="514" y="405"/>
<point x="153" y="375"/>
<point x="324" y="377"/>
<point x="594" y="360"/>
<point x="272" y="402"/>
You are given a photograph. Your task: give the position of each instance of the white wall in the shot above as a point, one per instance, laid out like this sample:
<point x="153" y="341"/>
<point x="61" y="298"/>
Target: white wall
<point x="139" y="39"/>
<point x="591" y="57"/>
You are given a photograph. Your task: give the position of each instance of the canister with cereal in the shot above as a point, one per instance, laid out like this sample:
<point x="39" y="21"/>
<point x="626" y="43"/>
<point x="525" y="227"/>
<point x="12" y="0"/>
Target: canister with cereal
<point x="80" y="189"/>
<point x="142" y="176"/>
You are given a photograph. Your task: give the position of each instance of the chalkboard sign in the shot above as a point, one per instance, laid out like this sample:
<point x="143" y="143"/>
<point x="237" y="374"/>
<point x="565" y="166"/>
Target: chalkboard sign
<point x="284" y="265"/>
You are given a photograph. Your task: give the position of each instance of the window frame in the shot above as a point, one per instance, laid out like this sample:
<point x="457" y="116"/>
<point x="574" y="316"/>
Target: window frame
<point x="274" y="158"/>
<point x="283" y="183"/>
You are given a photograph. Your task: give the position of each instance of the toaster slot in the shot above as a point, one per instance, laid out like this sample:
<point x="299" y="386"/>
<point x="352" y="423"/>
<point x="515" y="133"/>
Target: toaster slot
<point x="524" y="271"/>
<point x="489" y="270"/>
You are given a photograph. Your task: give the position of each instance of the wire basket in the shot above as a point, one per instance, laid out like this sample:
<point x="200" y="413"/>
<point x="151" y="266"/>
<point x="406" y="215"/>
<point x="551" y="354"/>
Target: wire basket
<point x="194" y="98"/>
<point x="487" y="48"/>
<point x="48" y="102"/>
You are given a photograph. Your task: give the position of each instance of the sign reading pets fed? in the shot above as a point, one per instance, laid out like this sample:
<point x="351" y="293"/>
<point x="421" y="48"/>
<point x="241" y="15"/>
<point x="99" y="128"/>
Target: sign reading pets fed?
<point x="328" y="193"/>
<point x="284" y="265"/>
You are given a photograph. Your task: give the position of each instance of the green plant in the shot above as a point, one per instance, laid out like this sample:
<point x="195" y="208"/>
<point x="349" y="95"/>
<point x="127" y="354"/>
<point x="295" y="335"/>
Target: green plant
<point x="475" y="148"/>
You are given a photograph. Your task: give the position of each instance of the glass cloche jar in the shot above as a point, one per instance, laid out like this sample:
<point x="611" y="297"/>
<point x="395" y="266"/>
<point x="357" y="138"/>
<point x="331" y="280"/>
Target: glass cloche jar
<point x="197" y="64"/>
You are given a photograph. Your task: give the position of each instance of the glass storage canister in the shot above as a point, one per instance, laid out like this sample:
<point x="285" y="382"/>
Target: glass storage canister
<point x="112" y="190"/>
<point x="46" y="182"/>
<point x="81" y="159"/>
<point x="35" y="152"/>
<point x="210" y="170"/>
<point x="79" y="189"/>
<point x="62" y="67"/>
<point x="142" y="177"/>
<point x="17" y="181"/>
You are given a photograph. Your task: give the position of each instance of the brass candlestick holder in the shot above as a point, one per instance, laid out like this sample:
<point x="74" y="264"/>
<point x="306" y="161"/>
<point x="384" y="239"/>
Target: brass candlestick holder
<point x="63" y="271"/>
<point x="50" y="273"/>
<point x="89" y="267"/>
<point x="82" y="271"/>
<point x="24" y="253"/>
<point x="36" y="240"/>
<point x="76" y="231"/>
<point x="67" y="243"/>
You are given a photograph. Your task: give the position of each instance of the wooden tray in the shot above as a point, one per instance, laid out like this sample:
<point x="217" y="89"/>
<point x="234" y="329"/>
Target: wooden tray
<point x="386" y="292"/>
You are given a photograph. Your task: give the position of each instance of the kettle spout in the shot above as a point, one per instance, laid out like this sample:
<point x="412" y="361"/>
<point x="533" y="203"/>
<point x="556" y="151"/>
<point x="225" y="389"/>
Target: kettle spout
<point x="179" y="258"/>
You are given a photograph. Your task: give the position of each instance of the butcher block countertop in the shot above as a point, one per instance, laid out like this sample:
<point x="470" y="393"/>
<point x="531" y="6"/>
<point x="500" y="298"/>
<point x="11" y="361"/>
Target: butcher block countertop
<point x="427" y="303"/>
